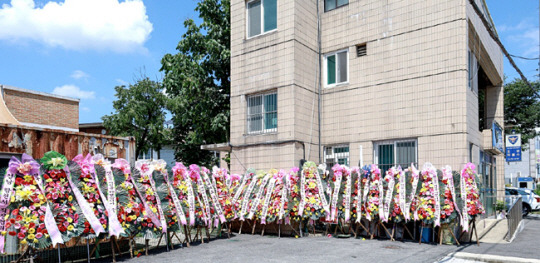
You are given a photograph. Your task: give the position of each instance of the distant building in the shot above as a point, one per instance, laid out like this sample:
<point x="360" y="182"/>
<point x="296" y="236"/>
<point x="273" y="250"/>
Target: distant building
<point x="34" y="123"/>
<point x="528" y="167"/>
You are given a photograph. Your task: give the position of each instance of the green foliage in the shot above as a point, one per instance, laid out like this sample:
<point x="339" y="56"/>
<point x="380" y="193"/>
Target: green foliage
<point x="537" y="190"/>
<point x="197" y="81"/>
<point x="522" y="109"/>
<point x="139" y="112"/>
<point x="500" y="205"/>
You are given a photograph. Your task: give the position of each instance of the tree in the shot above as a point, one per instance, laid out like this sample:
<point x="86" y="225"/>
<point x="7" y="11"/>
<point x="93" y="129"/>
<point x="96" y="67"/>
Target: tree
<point x="522" y="109"/>
<point x="197" y="81"/>
<point x="139" y="112"/>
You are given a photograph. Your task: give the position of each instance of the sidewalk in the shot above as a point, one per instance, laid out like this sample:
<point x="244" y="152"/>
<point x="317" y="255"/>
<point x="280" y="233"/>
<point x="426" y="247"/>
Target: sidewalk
<point x="524" y="248"/>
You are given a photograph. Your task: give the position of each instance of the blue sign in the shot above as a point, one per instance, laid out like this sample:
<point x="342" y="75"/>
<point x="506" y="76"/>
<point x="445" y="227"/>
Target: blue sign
<point x="525" y="179"/>
<point x="513" y="154"/>
<point x="497" y="137"/>
<point x="513" y="148"/>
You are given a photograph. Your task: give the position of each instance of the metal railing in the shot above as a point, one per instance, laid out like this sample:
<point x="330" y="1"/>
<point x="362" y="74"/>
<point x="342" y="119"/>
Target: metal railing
<point x="514" y="216"/>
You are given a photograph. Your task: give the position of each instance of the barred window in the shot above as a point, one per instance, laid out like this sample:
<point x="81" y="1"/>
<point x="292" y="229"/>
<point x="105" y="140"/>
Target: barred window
<point x="262" y="113"/>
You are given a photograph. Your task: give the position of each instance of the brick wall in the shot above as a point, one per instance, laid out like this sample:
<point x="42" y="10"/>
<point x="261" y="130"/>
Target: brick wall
<point x="40" y="109"/>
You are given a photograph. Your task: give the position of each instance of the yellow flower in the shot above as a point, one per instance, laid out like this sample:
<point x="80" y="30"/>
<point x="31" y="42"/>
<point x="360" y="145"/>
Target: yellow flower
<point x="70" y="220"/>
<point x="23" y="242"/>
<point x="70" y="227"/>
<point x="70" y="198"/>
<point x="31" y="230"/>
<point x="31" y="236"/>
<point x="55" y="161"/>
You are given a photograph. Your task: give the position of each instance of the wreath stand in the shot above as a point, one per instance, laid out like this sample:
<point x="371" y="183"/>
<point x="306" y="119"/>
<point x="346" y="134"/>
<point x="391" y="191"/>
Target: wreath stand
<point x="161" y="237"/>
<point x="199" y="234"/>
<point x="441" y="233"/>
<point x="29" y="254"/>
<point x="472" y="228"/>
<point x="358" y="225"/>
<point x="187" y="237"/>
<point x="405" y="229"/>
<point x="378" y="230"/>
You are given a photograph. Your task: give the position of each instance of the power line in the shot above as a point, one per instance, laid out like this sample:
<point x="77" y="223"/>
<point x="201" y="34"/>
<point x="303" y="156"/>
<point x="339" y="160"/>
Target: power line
<point x="499" y="43"/>
<point x="524" y="57"/>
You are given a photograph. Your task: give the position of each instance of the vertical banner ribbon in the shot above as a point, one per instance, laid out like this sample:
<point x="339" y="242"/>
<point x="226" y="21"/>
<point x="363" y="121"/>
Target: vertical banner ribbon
<point x="258" y="197"/>
<point x="390" y="178"/>
<point x="347" y="196"/>
<point x="415" y="174"/>
<point x="5" y="199"/>
<point x="269" y="190"/>
<point x="85" y="207"/>
<point x="124" y="166"/>
<point x="213" y="195"/>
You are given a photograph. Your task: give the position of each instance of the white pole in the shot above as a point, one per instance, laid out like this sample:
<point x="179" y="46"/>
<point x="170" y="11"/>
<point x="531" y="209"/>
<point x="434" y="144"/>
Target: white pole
<point x="361" y="157"/>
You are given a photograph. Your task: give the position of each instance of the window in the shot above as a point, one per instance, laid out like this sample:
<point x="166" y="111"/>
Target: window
<point x="333" y="4"/>
<point x="262" y="113"/>
<point x="337" y="67"/>
<point x="472" y="72"/>
<point x="395" y="153"/>
<point x="336" y="154"/>
<point x="261" y="16"/>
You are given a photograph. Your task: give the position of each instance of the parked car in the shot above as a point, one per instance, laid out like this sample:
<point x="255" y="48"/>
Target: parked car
<point x="531" y="201"/>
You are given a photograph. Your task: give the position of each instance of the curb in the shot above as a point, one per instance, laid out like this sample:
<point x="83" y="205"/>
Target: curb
<point x="493" y="258"/>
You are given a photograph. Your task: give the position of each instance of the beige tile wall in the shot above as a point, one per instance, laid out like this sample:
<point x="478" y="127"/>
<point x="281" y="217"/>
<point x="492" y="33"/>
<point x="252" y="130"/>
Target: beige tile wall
<point x="412" y="83"/>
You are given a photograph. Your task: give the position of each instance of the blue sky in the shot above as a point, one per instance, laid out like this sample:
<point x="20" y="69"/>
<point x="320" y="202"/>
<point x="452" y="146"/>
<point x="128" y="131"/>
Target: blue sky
<point x="85" y="48"/>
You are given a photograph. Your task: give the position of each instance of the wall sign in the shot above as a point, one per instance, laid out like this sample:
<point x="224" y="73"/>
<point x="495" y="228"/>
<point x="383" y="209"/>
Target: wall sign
<point x="513" y="148"/>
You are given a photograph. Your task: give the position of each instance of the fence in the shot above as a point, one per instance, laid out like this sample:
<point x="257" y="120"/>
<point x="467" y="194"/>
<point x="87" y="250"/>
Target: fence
<point x="514" y="216"/>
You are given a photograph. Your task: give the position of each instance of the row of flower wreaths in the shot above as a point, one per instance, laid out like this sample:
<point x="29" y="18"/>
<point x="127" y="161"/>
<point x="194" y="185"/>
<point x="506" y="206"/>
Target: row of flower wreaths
<point x="54" y="200"/>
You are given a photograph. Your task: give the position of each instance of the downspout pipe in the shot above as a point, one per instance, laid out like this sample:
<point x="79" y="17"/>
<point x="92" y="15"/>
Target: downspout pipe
<point x="320" y="78"/>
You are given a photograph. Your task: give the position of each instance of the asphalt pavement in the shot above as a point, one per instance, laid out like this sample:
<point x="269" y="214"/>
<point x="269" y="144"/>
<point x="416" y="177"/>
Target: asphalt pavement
<point x="254" y="248"/>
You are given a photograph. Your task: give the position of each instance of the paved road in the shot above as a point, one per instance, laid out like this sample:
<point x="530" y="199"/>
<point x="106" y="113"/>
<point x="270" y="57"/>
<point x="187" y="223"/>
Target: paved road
<point x="525" y="245"/>
<point x="248" y="248"/>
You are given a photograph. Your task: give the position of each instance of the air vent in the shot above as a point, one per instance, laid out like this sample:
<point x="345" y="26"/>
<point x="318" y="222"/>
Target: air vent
<point x="361" y="50"/>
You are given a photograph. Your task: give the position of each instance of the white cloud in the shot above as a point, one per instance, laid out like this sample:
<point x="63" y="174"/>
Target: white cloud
<point x="78" y="24"/>
<point x="74" y="92"/>
<point x="522" y="38"/>
<point x="79" y="74"/>
<point x="122" y="82"/>
<point x="85" y="109"/>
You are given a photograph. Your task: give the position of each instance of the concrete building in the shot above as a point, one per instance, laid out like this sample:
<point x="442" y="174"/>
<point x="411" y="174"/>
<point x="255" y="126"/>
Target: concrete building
<point x="348" y="81"/>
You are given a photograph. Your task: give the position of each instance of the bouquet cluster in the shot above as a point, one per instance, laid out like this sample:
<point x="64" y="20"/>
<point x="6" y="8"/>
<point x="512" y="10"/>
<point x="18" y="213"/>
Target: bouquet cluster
<point x="449" y="208"/>
<point x="58" y="191"/>
<point x="86" y="182"/>
<point x="394" y="180"/>
<point x="28" y="208"/>
<point x="428" y="206"/>
<point x="373" y="188"/>
<point x="130" y="205"/>
<point x="313" y="204"/>
<point x="469" y="190"/>
<point x="147" y="201"/>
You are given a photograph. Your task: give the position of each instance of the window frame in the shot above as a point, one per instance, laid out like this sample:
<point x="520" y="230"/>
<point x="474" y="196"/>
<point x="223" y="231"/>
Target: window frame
<point x="324" y="5"/>
<point x="335" y="156"/>
<point x="325" y="68"/>
<point x="261" y="18"/>
<point x="394" y="143"/>
<point x="263" y="113"/>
